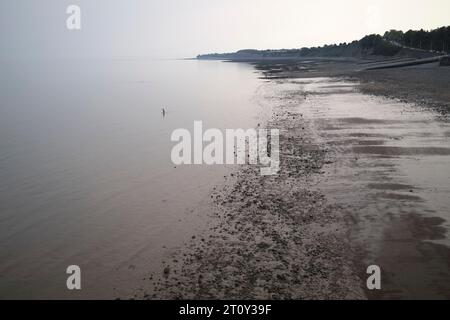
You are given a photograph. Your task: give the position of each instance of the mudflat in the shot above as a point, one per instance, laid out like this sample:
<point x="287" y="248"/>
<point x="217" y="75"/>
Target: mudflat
<point x="363" y="181"/>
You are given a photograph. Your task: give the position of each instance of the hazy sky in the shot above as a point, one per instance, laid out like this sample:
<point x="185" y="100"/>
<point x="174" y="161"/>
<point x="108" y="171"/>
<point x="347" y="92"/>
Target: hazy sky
<point x="184" y="28"/>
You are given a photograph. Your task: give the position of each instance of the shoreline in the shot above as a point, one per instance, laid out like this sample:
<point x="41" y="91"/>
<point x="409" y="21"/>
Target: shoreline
<point x="286" y="237"/>
<point x="255" y="231"/>
<point x="424" y="85"/>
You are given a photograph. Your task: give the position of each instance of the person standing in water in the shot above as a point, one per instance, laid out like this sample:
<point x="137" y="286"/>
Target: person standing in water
<point x="163" y="112"/>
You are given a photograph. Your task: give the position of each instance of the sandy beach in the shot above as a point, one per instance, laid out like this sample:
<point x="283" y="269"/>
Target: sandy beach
<point x="362" y="182"/>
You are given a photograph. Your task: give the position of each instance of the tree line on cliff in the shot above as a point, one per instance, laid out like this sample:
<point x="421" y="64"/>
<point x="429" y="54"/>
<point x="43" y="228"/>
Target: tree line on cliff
<point x="436" y="40"/>
<point x="391" y="43"/>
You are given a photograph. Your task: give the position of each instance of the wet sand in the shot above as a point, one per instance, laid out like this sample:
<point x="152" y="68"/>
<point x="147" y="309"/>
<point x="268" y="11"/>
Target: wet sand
<point x="363" y="181"/>
<point x="426" y="85"/>
<point x="388" y="172"/>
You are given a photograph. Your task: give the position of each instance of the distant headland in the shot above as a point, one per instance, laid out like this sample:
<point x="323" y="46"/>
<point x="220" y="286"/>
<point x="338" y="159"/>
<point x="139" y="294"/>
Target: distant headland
<point x="415" y="43"/>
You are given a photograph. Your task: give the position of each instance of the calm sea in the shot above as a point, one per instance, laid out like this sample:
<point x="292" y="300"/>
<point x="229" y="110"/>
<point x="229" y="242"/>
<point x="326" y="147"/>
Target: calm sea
<point x="85" y="169"/>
